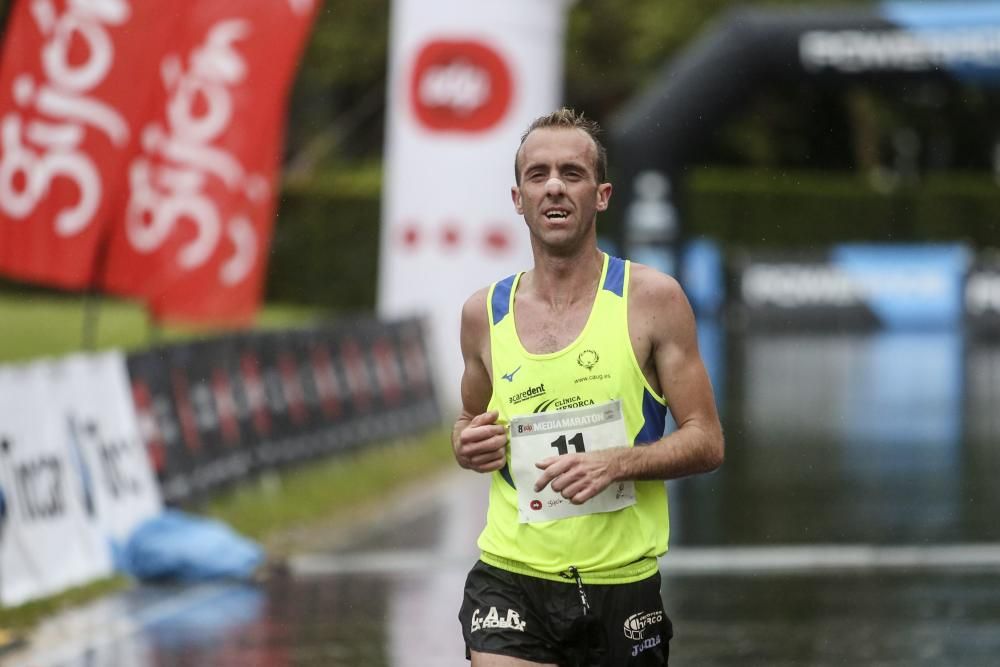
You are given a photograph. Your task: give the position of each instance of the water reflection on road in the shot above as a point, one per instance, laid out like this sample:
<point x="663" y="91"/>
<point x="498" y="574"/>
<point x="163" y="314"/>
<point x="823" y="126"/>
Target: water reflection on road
<point x="889" y="438"/>
<point x="854" y="522"/>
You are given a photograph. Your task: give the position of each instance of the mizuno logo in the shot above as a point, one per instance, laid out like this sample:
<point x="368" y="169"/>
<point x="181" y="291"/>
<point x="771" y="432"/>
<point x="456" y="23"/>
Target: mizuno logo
<point x="509" y="377"/>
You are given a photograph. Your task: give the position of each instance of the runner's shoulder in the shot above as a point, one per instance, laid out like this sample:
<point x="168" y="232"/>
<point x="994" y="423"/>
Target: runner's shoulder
<point x="474" y="312"/>
<point x="654" y="289"/>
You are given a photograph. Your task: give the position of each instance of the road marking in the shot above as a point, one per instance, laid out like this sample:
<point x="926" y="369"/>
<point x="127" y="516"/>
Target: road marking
<point x="824" y="558"/>
<point x="699" y="561"/>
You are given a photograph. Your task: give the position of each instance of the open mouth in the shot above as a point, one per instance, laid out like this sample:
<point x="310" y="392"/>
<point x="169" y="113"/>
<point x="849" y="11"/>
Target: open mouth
<point x="556" y="214"/>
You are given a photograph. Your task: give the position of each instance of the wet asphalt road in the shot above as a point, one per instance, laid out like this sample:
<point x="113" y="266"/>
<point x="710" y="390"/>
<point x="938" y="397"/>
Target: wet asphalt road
<point x="854" y="523"/>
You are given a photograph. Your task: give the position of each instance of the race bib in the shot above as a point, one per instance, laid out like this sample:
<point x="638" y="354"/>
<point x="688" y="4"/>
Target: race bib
<point x="539" y="436"/>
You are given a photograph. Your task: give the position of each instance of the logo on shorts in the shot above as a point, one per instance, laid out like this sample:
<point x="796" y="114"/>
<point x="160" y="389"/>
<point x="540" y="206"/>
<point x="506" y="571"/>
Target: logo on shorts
<point x="492" y="620"/>
<point x="652" y="642"/>
<point x="636" y="624"/>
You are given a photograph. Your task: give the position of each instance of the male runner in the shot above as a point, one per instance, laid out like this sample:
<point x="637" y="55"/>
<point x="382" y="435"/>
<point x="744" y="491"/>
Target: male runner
<point x="569" y="369"/>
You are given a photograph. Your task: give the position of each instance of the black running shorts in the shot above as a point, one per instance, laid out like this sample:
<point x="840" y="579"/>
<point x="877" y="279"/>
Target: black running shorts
<point x="544" y="621"/>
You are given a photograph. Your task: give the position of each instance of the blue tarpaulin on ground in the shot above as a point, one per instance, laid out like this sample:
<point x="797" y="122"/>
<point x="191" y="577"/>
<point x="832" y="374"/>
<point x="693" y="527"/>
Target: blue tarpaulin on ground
<point x="175" y="546"/>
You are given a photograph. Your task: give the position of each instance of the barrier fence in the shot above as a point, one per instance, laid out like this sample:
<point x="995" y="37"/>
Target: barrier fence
<point x="93" y="444"/>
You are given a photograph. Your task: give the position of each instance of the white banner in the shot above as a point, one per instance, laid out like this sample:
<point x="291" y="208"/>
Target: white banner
<point x="48" y="542"/>
<point x="94" y="400"/>
<point x="465" y="81"/>
<point x="73" y="473"/>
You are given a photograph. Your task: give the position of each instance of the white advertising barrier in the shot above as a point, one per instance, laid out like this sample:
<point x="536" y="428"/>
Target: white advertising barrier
<point x="465" y="80"/>
<point x="73" y="472"/>
<point x="47" y="542"/>
<point x="93" y="398"/>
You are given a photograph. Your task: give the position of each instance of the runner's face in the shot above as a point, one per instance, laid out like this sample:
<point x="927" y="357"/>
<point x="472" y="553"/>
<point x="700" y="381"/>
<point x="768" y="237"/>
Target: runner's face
<point x="559" y="195"/>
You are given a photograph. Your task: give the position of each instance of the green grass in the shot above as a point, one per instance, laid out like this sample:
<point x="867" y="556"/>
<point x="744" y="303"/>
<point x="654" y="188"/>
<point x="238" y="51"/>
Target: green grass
<point x="19" y="619"/>
<point x="329" y="490"/>
<point x="36" y="325"/>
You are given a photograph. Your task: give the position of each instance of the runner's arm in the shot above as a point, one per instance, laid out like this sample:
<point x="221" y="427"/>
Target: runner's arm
<point x="477" y="441"/>
<point x="696" y="446"/>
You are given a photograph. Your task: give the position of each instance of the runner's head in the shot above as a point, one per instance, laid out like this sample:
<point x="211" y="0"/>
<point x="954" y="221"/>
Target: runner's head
<point x="569" y="119"/>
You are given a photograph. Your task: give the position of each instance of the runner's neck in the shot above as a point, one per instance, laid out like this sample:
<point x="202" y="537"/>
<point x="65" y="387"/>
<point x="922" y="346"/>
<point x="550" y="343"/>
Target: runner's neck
<point x="565" y="281"/>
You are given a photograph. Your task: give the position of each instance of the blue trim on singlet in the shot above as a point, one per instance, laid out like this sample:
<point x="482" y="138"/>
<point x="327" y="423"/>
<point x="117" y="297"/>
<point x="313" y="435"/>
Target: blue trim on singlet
<point x="654" y="419"/>
<point x="614" y="281"/>
<point x="501" y="299"/>
<point x="500" y="306"/>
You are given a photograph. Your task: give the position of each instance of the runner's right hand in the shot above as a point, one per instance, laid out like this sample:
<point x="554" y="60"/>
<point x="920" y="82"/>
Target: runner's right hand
<point x="482" y="444"/>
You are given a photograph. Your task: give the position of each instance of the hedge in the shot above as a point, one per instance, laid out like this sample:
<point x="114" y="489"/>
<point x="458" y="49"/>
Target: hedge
<point x="326" y="244"/>
<point x="816" y="209"/>
<point x="325" y="251"/>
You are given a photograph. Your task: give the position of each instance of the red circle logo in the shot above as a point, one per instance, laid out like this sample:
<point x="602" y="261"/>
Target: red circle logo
<point x="460" y="86"/>
<point x="409" y="234"/>
<point x="451" y="235"/>
<point x="497" y="240"/>
<point x="536" y="505"/>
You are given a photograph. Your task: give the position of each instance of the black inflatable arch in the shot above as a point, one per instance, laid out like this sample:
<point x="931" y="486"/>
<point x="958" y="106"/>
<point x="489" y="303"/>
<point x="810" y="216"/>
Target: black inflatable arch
<point x="662" y="130"/>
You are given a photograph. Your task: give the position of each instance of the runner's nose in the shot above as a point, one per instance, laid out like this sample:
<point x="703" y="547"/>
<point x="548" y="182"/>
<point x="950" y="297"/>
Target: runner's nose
<point x="554" y="186"/>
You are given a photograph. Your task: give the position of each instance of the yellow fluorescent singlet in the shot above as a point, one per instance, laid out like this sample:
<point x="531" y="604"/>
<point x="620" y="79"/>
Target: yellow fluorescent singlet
<point x="599" y="366"/>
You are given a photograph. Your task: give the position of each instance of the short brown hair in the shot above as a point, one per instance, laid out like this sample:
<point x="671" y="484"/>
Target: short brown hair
<point x="570" y="119"/>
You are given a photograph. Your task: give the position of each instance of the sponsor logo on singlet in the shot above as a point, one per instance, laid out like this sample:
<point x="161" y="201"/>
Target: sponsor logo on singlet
<point x="509" y="377"/>
<point x="563" y="403"/>
<point x="527" y="394"/>
<point x="588" y="359"/>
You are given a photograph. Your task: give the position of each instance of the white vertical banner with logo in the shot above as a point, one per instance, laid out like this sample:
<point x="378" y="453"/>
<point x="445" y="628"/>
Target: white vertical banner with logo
<point x="48" y="542"/>
<point x="93" y="399"/>
<point x="465" y="80"/>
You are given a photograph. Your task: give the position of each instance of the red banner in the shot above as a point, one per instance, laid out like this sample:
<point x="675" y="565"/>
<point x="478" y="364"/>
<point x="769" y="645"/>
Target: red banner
<point x="74" y="86"/>
<point x="192" y="233"/>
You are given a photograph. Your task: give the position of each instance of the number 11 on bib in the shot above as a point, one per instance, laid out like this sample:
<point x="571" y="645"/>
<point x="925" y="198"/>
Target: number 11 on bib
<point x="578" y="430"/>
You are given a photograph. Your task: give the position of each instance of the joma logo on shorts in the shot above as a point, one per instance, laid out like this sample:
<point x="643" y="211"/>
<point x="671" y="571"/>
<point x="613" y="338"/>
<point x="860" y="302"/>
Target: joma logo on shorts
<point x="636" y="624"/>
<point x="652" y="642"/>
<point x="492" y="620"/>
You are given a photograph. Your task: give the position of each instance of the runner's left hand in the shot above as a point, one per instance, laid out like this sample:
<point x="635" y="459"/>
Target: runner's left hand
<point x="578" y="477"/>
